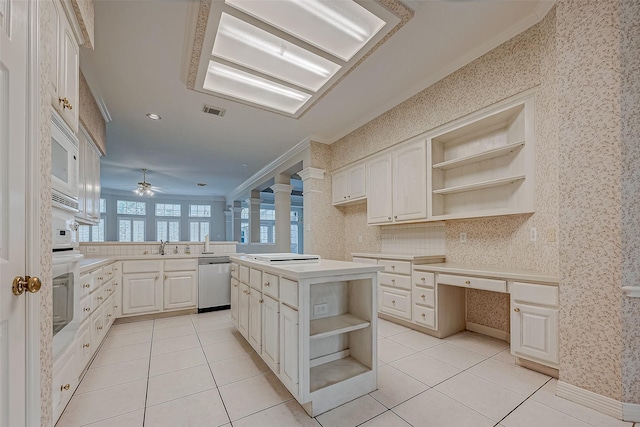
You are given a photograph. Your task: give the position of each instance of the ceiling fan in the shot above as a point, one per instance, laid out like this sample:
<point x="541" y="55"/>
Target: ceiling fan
<point x="144" y="187"/>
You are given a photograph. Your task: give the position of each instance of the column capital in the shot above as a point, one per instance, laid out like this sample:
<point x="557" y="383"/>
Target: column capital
<point x="228" y="212"/>
<point x="311" y="173"/>
<point x="235" y="209"/>
<point x="282" y="188"/>
<point x="253" y="201"/>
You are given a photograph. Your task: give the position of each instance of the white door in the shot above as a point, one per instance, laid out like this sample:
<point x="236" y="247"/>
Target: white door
<point x="13" y="143"/>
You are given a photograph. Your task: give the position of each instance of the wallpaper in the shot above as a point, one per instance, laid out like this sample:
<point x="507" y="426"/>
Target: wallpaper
<point x="91" y="117"/>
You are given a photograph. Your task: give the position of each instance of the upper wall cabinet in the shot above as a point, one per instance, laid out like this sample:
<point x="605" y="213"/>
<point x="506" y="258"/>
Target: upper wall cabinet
<point x="484" y="165"/>
<point x="349" y="185"/>
<point x="65" y="69"/>
<point x="397" y="190"/>
<point x="88" y="181"/>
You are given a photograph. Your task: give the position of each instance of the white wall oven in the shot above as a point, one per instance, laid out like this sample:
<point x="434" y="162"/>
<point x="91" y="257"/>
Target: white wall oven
<point x="64" y="165"/>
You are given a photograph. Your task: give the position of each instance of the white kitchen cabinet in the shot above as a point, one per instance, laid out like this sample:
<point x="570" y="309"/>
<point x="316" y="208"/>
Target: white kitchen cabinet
<point x="235" y="294"/>
<point x="65" y="379"/>
<point x="243" y="310"/>
<point x="88" y="180"/>
<point x="255" y="320"/>
<point x="289" y="373"/>
<point x="349" y="185"/>
<point x="141" y="293"/>
<point x="271" y="333"/>
<point x="380" y="195"/>
<point x="84" y="347"/>
<point x="97" y="325"/>
<point x="180" y="290"/>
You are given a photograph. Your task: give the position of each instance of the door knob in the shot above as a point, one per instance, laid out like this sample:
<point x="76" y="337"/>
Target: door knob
<point x="21" y="284"/>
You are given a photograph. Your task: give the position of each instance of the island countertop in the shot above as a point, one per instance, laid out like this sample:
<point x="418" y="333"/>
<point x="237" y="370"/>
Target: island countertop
<point x="320" y="268"/>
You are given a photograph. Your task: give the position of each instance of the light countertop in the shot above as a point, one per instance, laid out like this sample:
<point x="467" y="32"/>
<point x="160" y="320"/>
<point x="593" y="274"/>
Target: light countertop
<point x="321" y="268"/>
<point x="415" y="258"/>
<point x="88" y="264"/>
<point x="490" y="272"/>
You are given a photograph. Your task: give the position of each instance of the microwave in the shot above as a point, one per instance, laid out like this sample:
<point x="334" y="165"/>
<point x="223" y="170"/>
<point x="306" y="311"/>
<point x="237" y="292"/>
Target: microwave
<point x="65" y="160"/>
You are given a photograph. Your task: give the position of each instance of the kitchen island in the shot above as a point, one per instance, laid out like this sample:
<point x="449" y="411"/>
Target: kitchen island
<point x="313" y="323"/>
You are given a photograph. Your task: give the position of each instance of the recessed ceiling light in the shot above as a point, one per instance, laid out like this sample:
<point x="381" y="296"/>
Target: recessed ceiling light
<point x="154" y="116"/>
<point x="244" y="165"/>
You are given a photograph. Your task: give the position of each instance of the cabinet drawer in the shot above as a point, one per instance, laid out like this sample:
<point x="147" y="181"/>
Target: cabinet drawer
<point x="85" y="285"/>
<point x="395" y="281"/>
<point x="535" y="294"/>
<point x="399" y="267"/>
<point x="473" y="282"/>
<point x="255" y="279"/>
<point x="85" y="349"/>
<point x="141" y="266"/>
<point x="85" y="308"/>
<point x="424" y="296"/>
<point x="244" y="274"/>
<point x="235" y="270"/>
<point x="180" y="265"/>
<point x="395" y="302"/>
<point x="365" y="260"/>
<point x="289" y="292"/>
<point x="423" y="279"/>
<point x="97" y="298"/>
<point x="96" y="279"/>
<point x="424" y="316"/>
<point x="270" y="284"/>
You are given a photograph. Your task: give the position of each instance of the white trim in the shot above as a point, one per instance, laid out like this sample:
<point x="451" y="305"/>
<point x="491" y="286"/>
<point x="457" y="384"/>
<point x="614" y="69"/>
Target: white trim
<point x="73" y="20"/>
<point x="592" y="400"/>
<point x="631" y="412"/>
<point x="311" y="173"/>
<point x="489" y="331"/>
<point x="631" y="291"/>
<point x="282" y="188"/>
<point x="33" y="398"/>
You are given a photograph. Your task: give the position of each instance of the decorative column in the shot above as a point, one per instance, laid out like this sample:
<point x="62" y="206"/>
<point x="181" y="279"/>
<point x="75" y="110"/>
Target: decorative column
<point x="313" y="194"/>
<point x="282" y="203"/>
<point x="228" y="224"/>
<point x="236" y="220"/>
<point x="254" y="217"/>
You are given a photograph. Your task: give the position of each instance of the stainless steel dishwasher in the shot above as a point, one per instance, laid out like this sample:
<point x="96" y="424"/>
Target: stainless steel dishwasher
<point x="214" y="283"/>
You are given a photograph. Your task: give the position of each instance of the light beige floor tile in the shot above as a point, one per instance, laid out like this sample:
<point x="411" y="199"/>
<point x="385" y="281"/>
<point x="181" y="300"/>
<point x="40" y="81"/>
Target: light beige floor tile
<point x="521" y="380"/>
<point x="173" y="332"/>
<point x="289" y="414"/>
<point x="547" y="396"/>
<point x="213" y="324"/>
<point x="386" y="328"/>
<point x="210" y="315"/>
<point x="352" y="413"/>
<point x="226" y="349"/>
<point x="388" y="350"/>
<point x="505" y="356"/>
<point x="489" y="399"/>
<point x="416" y="340"/>
<point x="394" y="387"/>
<point x="237" y="368"/>
<point x="479" y="343"/>
<point x="454" y="355"/>
<point x="201" y="409"/>
<point x="127" y="339"/>
<point x="534" y="414"/>
<point x="252" y="395"/>
<point x="171" y="345"/>
<point x="170" y="322"/>
<point x="131" y="419"/>
<point x="177" y="384"/>
<point x="386" y="419"/>
<point x="425" y="369"/>
<point x="110" y="375"/>
<point x="434" y="409"/>
<point x="105" y="403"/>
<point x="219" y="335"/>
<point x="169" y="362"/>
<point x="128" y="328"/>
<point x="110" y="356"/>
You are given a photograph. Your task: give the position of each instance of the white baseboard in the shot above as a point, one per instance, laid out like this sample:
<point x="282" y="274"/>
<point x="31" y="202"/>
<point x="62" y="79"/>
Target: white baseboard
<point x="606" y="405"/>
<point x="489" y="331"/>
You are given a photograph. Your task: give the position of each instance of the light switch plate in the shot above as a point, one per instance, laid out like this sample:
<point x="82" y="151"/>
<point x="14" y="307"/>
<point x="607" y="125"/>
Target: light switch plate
<point x="463" y="237"/>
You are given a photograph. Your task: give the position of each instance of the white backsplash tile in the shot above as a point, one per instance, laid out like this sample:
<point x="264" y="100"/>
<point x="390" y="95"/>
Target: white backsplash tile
<point x="413" y="239"/>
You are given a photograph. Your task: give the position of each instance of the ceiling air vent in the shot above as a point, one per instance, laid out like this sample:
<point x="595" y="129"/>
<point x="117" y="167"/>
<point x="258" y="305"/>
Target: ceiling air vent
<point x="213" y="110"/>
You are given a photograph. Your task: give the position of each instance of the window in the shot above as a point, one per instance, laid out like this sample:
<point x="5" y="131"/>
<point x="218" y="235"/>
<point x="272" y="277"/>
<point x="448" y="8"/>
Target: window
<point x="198" y="230"/>
<point x="294" y="216"/>
<point x="84" y="233"/>
<point x="294" y="238"/>
<point x="103" y="206"/>
<point x="130" y="230"/>
<point x="264" y="234"/>
<point x="163" y="209"/>
<point x="200" y="211"/>
<point x="125" y="207"/>
<point x="92" y="233"/>
<point x="244" y="225"/>
<point x="168" y="230"/>
<point x="267" y="214"/>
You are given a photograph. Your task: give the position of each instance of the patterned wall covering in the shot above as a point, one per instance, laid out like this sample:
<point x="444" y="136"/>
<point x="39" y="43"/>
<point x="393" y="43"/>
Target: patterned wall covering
<point x="91" y="118"/>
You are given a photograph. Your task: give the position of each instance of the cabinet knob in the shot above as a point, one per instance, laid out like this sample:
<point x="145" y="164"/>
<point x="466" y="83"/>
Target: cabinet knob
<point x="393" y="267"/>
<point x="115" y="306"/>
<point x="65" y="387"/>
<point x="65" y="103"/>
<point x="517" y="310"/>
<point x="100" y="278"/>
<point x="422" y="296"/>
<point x="110" y="273"/>
<point x="100" y="298"/>
<point x="108" y="315"/>
<point x="235" y="286"/>
<point x="467" y="282"/>
<point x="423" y="279"/>
<point x="267" y="284"/>
<point x="87" y="309"/>
<point x="261" y="301"/>
<point x="86" y="286"/>
<point x="99" y="328"/>
<point x="165" y="277"/>
<point x="389" y="218"/>
<point x="393" y="302"/>
<point x="423" y="315"/>
<point x="395" y="217"/>
<point x="393" y="281"/>
<point x="109" y="290"/>
<point x="87" y="345"/>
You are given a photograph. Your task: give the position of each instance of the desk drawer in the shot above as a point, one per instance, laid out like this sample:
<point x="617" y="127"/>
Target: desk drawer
<point x="395" y="281"/>
<point x="426" y="297"/>
<point x="423" y="279"/>
<point x="424" y="316"/>
<point x="289" y="292"/>
<point x="270" y="285"/>
<point x="398" y="267"/>
<point x="244" y="274"/>
<point x="473" y="282"/>
<point x="535" y="294"/>
<point x="395" y="302"/>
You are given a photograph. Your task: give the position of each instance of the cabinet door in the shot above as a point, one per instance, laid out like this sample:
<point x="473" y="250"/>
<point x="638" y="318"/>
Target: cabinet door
<point x="379" y="197"/>
<point x="82" y="162"/>
<point x="70" y="88"/>
<point x="270" y="333"/>
<point x="339" y="187"/>
<point x="141" y="293"/>
<point x="255" y="320"/>
<point x="97" y="188"/>
<point x="289" y="355"/>
<point x="235" y="291"/>
<point x="83" y="344"/>
<point x="410" y="182"/>
<point x="356" y="180"/>
<point x="180" y="290"/>
<point x="65" y="379"/>
<point x="55" y="72"/>
<point x="97" y="326"/>
<point x="534" y="333"/>
<point x="243" y="311"/>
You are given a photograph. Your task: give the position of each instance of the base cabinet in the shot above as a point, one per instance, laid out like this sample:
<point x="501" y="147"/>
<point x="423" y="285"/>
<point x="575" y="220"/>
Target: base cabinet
<point x="235" y="291"/>
<point x="65" y="379"/>
<point x="271" y="333"/>
<point x="243" y="311"/>
<point x="289" y="348"/>
<point x="142" y="293"/>
<point x="180" y="290"/>
<point x="255" y="320"/>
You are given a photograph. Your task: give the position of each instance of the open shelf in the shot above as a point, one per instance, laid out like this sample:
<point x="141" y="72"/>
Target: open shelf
<point x="334" y="325"/>
<point x="475" y="158"/>
<point x="480" y="185"/>
<point x="334" y="372"/>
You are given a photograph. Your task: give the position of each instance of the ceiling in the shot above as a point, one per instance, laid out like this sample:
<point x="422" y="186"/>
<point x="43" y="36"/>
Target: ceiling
<point x="138" y="67"/>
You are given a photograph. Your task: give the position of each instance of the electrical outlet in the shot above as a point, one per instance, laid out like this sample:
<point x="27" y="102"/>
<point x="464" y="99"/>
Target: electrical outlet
<point x="463" y="237"/>
<point x="92" y="250"/>
<point x="551" y="235"/>
<point x="534" y="234"/>
<point x="359" y="239"/>
<point x="319" y="309"/>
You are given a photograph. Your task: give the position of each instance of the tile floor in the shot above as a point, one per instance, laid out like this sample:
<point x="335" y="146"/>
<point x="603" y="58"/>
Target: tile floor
<point x="197" y="370"/>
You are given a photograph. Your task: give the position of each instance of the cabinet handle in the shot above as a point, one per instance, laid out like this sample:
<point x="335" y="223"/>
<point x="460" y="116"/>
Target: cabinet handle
<point x="100" y="278"/>
<point x="517" y="310"/>
<point x="87" y="309"/>
<point x="99" y="328"/>
<point x="65" y="104"/>
<point x="65" y="387"/>
<point x="423" y="315"/>
<point x="393" y="302"/>
<point x="165" y="277"/>
<point x="108" y="315"/>
<point x="100" y="298"/>
<point x="87" y="345"/>
<point x="467" y="282"/>
<point x="267" y="284"/>
<point x="115" y="306"/>
<point x="395" y="217"/>
<point x="109" y="290"/>
<point x="110" y="273"/>
<point x="393" y="267"/>
<point x="422" y="296"/>
<point x="261" y="301"/>
<point x="389" y="218"/>
<point x="157" y="277"/>
<point x="86" y="286"/>
<point x="423" y="279"/>
<point x="235" y="286"/>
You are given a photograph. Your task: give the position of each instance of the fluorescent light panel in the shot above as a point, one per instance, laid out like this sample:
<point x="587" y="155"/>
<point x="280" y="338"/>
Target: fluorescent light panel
<point x="240" y="84"/>
<point x="352" y="26"/>
<point x="244" y="44"/>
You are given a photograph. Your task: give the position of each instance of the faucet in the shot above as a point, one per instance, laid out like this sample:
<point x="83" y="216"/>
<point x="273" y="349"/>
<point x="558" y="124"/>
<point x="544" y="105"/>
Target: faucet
<point x="162" y="245"/>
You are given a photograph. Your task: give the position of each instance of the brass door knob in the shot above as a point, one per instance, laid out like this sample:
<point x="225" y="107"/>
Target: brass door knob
<point x="21" y="284"/>
<point x="65" y="387"/>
